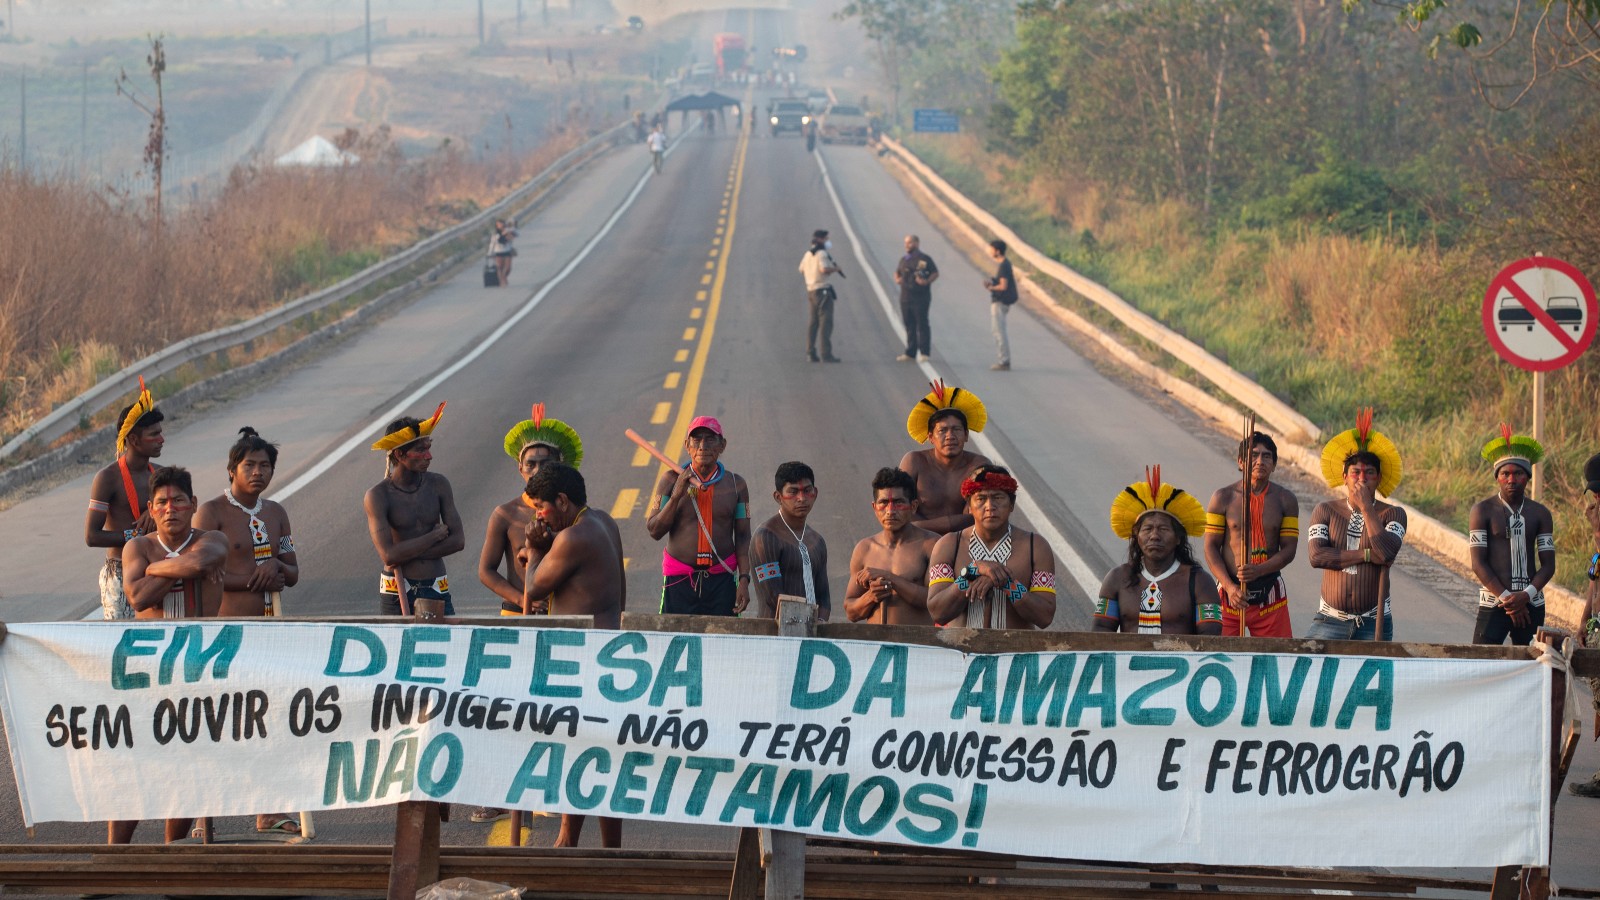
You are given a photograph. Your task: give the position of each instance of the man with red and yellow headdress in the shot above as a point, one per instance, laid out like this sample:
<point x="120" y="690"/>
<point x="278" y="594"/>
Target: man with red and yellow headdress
<point x="1354" y="539"/>
<point x="992" y="574"/>
<point x="943" y="420"/>
<point x="120" y="495"/>
<point x="1162" y="588"/>
<point x="412" y="519"/>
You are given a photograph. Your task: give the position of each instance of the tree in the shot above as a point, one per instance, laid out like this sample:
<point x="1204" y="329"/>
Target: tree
<point x="155" y="145"/>
<point x="897" y="29"/>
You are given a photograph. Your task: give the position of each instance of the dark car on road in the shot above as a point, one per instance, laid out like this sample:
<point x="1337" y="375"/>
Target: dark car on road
<point x="1566" y="311"/>
<point x="788" y="115"/>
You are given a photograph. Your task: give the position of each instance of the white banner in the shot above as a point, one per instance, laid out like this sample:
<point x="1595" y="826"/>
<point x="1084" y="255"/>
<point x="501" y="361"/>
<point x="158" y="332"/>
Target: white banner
<point x="1244" y="759"/>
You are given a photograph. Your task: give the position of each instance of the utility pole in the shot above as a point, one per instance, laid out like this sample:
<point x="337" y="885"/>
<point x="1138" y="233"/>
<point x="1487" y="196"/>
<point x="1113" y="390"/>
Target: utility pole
<point x="480" y="23"/>
<point x="24" y="154"/>
<point x="369" y="33"/>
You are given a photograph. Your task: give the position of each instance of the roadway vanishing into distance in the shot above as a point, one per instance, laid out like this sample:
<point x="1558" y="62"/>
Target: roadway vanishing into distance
<point x="639" y="301"/>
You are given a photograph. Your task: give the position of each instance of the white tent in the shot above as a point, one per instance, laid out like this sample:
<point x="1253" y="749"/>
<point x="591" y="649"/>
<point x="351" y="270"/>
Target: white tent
<point x="317" y="151"/>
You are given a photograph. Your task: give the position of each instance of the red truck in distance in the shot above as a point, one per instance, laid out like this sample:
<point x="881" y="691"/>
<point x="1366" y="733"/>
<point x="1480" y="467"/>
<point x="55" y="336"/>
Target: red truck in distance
<point x="730" y="53"/>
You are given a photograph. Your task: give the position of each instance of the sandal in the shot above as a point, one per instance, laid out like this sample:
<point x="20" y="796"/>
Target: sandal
<point x="281" y="825"/>
<point x="485" y="814"/>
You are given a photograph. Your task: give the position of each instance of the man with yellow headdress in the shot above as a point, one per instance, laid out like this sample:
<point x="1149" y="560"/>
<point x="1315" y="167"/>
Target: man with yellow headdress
<point x="412" y="518"/>
<point x="943" y="419"/>
<point x="1354" y="540"/>
<point x="120" y="495"/>
<point x="1161" y="589"/>
<point x="1511" y="541"/>
<point x="992" y="575"/>
<point x="532" y="442"/>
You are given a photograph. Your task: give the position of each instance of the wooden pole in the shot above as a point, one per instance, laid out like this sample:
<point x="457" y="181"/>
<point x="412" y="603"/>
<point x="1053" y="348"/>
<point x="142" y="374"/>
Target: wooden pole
<point x="415" y="862"/>
<point x="1247" y="485"/>
<point x="785" y="851"/>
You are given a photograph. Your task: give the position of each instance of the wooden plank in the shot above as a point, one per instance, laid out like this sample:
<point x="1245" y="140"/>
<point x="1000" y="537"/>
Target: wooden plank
<point x="416" y="849"/>
<point x="1507" y="883"/>
<point x="746" y="866"/>
<point x="482" y="621"/>
<point x="632" y="621"/>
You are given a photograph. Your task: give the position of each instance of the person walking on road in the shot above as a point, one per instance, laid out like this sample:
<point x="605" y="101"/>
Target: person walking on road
<point x="501" y="249"/>
<point x="916" y="274"/>
<point x="658" y="147"/>
<point x="1002" y="296"/>
<point x="816" y="266"/>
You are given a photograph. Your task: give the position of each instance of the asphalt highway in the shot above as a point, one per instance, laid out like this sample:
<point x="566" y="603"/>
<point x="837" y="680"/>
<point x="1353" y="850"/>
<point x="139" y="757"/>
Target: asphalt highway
<point x="640" y="301"/>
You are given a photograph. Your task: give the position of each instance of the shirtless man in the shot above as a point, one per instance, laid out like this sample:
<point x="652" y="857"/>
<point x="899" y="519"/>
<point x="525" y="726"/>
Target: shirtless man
<point x="701" y="517"/>
<point x="577" y="564"/>
<point x="943" y="419"/>
<point x="532" y="443"/>
<point x="261" y="556"/>
<point x="120" y="495"/>
<point x="173" y="572"/>
<point x="1273" y="530"/>
<point x="1354" y="541"/>
<point x="1506" y="534"/>
<point x="412" y="518"/>
<point x="787" y="555"/>
<point x="889" y="571"/>
<point x="1162" y="588"/>
<point x="992" y="575"/>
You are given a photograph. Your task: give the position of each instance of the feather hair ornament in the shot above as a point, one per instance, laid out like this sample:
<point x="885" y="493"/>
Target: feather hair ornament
<point x="941" y="398"/>
<point x="141" y="406"/>
<point x="1152" y="495"/>
<point x="1363" y="437"/>
<point x="410" y="433"/>
<point x="552" y="433"/>
<point x="1508" y="448"/>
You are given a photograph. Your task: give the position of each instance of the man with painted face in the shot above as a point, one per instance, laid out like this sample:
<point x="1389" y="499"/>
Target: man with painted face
<point x="120" y="495"/>
<point x="1511" y="541"/>
<point x="1354" y="540"/>
<point x="943" y="419"/>
<point x="992" y="575"/>
<point x="412" y="519"/>
<point x="576" y="562"/>
<point x="1162" y="588"/>
<point x="702" y="510"/>
<point x="1253" y="587"/>
<point x="787" y="555"/>
<point x="532" y="442"/>
<point x="889" y="571"/>
<point x="174" y="571"/>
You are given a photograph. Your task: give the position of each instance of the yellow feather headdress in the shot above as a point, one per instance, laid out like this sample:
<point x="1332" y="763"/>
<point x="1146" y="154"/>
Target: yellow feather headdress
<point x="1513" y="448"/>
<point x="941" y="398"/>
<point x="1142" y="498"/>
<point x="406" y="435"/>
<point x="1362" y="437"/>
<point x="552" y="433"/>
<point x="144" y="404"/>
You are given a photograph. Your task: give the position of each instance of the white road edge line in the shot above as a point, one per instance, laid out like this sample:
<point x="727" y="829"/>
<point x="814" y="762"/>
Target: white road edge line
<point x="394" y="412"/>
<point x="1087" y="580"/>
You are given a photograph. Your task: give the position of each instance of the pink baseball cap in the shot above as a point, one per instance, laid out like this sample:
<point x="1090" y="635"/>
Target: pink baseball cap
<point x="705" y="422"/>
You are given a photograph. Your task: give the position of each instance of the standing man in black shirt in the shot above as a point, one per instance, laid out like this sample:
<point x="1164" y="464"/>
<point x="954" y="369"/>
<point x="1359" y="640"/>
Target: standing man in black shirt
<point x="915" y="274"/>
<point x="1002" y="295"/>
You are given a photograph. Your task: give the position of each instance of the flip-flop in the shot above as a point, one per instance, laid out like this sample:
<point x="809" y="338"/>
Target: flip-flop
<point x="485" y="814"/>
<point x="284" y="825"/>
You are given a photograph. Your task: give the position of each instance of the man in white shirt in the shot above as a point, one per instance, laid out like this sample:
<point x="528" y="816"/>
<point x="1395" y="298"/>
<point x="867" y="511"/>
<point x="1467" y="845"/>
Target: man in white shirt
<point x="816" y="266"/>
<point x="658" y="147"/>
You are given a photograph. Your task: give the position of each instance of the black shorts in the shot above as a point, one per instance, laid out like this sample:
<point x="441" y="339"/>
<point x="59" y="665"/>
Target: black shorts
<point x="699" y="595"/>
<point x="389" y="604"/>
<point x="1494" y="624"/>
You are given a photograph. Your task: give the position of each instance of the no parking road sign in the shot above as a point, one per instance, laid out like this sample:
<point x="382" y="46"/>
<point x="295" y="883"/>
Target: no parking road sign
<point x="1539" y="313"/>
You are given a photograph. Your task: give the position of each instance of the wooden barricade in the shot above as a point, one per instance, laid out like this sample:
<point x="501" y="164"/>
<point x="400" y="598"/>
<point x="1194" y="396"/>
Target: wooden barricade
<point x="766" y="863"/>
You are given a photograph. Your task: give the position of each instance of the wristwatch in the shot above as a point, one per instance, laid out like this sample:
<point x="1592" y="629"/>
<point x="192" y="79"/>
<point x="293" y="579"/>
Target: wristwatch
<point x="964" y="580"/>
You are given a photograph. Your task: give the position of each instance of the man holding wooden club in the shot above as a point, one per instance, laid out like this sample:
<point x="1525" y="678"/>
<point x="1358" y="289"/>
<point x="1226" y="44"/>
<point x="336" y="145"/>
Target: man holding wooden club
<point x="1252" y="534"/>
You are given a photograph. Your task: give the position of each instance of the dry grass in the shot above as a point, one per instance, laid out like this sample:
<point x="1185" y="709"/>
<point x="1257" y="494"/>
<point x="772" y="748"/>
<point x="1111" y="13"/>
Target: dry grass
<point x="91" y="284"/>
<point x="1327" y="321"/>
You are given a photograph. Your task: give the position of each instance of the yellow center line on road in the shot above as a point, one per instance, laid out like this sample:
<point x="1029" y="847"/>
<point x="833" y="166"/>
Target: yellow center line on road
<point x="695" y="313"/>
<point x="671" y="382"/>
<point x="681" y="356"/>
<point x="663" y="410"/>
<point x="627" y="500"/>
<point x="641" y="457"/>
<point x="702" y="350"/>
<point x="699" y="296"/>
<point x="705" y="279"/>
